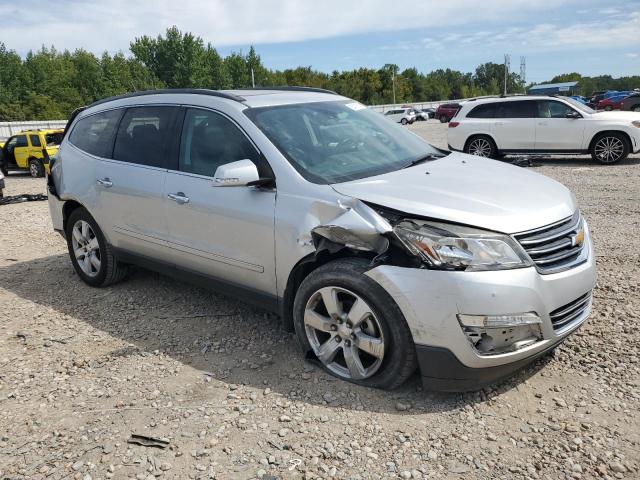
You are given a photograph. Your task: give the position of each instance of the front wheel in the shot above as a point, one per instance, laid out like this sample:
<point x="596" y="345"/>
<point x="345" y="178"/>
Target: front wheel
<point x="92" y="257"/>
<point x="353" y="327"/>
<point x="36" y="169"/>
<point x="610" y="148"/>
<point x="404" y="121"/>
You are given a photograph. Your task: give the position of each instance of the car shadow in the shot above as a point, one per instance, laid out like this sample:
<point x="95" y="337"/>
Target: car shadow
<point x="569" y="162"/>
<point x="225" y="339"/>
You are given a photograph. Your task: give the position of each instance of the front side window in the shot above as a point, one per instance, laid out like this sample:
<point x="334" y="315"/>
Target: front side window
<point x="35" y="140"/>
<point x="553" y="109"/>
<point x="144" y="135"/>
<point x="210" y="140"/>
<point x="516" y="109"/>
<point x="94" y="134"/>
<point x="332" y="142"/>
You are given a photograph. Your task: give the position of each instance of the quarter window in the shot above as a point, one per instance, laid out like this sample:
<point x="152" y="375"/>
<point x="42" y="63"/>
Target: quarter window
<point x="35" y="140"/>
<point x="210" y="140"/>
<point x="552" y="109"/>
<point x="144" y="135"/>
<point x="516" y="109"/>
<point x="94" y="134"/>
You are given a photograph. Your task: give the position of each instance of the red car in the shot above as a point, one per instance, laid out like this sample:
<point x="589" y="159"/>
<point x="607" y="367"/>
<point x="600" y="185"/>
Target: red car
<point x="612" y="103"/>
<point x="447" y="111"/>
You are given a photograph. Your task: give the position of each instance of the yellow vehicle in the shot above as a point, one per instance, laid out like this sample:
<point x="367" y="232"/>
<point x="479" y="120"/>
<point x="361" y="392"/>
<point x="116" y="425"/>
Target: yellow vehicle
<point x="30" y="150"/>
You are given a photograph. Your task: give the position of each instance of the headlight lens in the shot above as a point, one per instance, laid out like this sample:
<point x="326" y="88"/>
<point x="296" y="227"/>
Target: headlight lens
<point x="453" y="247"/>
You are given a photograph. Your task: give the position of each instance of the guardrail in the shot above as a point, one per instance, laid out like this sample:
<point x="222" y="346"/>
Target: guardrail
<point x="11" y="128"/>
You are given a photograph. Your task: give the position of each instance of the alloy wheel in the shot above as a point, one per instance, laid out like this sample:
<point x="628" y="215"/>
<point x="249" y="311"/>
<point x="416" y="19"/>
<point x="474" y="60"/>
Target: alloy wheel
<point x="609" y="149"/>
<point x="33" y="169"/>
<point x="344" y="333"/>
<point x="86" y="248"/>
<point x="480" y="147"/>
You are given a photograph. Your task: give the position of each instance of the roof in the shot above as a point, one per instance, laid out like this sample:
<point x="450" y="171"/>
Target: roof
<point x="544" y="86"/>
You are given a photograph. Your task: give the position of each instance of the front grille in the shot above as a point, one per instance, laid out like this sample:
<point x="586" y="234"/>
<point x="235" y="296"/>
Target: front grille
<point x="556" y="247"/>
<point x="563" y="316"/>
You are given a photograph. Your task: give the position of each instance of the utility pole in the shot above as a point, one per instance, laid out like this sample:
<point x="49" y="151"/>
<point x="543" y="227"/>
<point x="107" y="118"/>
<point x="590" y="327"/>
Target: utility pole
<point x="523" y="73"/>
<point x="393" y="85"/>
<point x="507" y="61"/>
<point x="253" y="80"/>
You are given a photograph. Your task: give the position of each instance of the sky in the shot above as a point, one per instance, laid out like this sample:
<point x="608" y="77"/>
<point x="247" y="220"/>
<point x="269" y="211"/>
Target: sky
<point x="592" y="37"/>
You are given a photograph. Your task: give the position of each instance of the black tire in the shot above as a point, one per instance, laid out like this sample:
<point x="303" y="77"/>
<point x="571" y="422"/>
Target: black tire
<point x="471" y="148"/>
<point x="36" y="168"/>
<point x="613" y="137"/>
<point x="443" y="119"/>
<point x="404" y="121"/>
<point x="399" y="361"/>
<point x="111" y="271"/>
<point x="635" y="108"/>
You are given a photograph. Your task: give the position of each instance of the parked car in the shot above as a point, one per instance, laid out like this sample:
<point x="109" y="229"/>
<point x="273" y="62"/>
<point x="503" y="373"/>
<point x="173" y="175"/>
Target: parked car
<point x="580" y="99"/>
<point x="425" y="114"/>
<point x="543" y="125"/>
<point x="593" y="102"/>
<point x="310" y="204"/>
<point x="632" y="102"/>
<point x="31" y="150"/>
<point x="447" y="111"/>
<point x="613" y="102"/>
<point x="401" y="115"/>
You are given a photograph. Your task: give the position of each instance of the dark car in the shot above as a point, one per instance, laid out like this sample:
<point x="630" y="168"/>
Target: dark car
<point x="425" y="113"/>
<point x="447" y="111"/>
<point x="631" y="103"/>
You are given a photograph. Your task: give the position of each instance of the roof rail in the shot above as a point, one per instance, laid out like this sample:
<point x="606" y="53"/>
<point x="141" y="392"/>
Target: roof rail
<point x="292" y="88"/>
<point x="196" y="91"/>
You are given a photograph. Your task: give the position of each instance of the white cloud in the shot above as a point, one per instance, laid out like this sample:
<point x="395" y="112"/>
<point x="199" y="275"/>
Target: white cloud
<point x="632" y="55"/>
<point x="111" y="24"/>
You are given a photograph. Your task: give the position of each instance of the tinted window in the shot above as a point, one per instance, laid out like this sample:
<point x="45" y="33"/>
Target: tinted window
<point x="518" y="109"/>
<point x="144" y="135"/>
<point x="54" y="138"/>
<point x="21" y="141"/>
<point x="487" y="110"/>
<point x="551" y="109"/>
<point x="35" y="140"/>
<point x="210" y="140"/>
<point x="94" y="134"/>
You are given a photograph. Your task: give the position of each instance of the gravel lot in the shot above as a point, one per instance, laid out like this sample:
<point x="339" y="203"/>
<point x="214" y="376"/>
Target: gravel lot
<point x="83" y="369"/>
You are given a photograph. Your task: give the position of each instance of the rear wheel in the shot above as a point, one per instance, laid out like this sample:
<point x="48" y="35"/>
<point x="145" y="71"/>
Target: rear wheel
<point x="443" y="119"/>
<point x="636" y="108"/>
<point x="36" y="168"/>
<point x="404" y="121"/>
<point x="353" y="326"/>
<point x="92" y="257"/>
<point x="481" y="146"/>
<point x="609" y="148"/>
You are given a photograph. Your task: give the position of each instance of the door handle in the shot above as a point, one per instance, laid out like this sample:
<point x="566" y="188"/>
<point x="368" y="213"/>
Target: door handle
<point x="179" y="197"/>
<point x="105" y="182"/>
<point x="542" y="123"/>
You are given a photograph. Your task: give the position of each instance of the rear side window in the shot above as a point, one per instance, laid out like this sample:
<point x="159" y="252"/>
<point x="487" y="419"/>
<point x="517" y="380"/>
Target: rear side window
<point x="518" y="109"/>
<point x="21" y="141"/>
<point x="144" y="135"/>
<point x="35" y="140"/>
<point x="210" y="140"/>
<point x="94" y="134"/>
<point x="487" y="110"/>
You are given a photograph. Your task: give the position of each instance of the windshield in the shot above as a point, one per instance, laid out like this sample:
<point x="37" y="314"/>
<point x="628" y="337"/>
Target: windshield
<point x="54" y="139"/>
<point x="332" y="142"/>
<point x="579" y="105"/>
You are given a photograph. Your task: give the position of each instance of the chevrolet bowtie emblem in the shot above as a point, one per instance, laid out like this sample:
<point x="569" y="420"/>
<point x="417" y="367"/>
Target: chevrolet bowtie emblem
<point x="578" y="238"/>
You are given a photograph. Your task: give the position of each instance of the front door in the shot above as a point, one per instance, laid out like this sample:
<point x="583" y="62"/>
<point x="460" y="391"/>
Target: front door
<point x="224" y="232"/>
<point x="554" y="130"/>
<point x="514" y="125"/>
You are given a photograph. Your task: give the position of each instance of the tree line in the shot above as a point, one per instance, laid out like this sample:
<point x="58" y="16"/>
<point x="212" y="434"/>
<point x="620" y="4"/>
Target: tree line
<point x="49" y="84"/>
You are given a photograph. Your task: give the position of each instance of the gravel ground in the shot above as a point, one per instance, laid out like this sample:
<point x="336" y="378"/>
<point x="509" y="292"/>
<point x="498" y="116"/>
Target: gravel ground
<point x="83" y="369"/>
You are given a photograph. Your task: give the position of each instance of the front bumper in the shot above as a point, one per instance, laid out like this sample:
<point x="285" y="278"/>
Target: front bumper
<point x="431" y="300"/>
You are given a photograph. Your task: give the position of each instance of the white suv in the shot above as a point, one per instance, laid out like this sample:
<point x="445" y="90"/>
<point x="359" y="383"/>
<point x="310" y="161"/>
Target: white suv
<point x="401" y="115"/>
<point x="493" y="127"/>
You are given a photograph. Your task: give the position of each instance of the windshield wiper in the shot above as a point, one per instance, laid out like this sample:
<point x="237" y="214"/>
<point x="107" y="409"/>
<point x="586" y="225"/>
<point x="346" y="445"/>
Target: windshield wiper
<point x="425" y="158"/>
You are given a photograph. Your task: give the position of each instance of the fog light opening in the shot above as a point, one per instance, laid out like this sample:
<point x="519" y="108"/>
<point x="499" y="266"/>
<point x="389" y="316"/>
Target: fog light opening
<point x="495" y="334"/>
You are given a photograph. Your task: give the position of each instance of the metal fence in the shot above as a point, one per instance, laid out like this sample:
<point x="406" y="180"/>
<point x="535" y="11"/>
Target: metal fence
<point x="11" y="128"/>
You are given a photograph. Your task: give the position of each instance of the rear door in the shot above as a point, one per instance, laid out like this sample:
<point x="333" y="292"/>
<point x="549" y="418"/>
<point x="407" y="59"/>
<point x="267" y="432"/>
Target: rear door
<point x="224" y="232"/>
<point x="21" y="151"/>
<point x="514" y="125"/>
<point x="554" y="130"/>
<point x="130" y="184"/>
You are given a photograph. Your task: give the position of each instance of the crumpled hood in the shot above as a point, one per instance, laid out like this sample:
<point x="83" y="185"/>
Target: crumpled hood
<point x="469" y="190"/>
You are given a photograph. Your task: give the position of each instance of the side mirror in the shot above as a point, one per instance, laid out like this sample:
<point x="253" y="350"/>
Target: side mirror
<point x="242" y="173"/>
<point x="573" y="115"/>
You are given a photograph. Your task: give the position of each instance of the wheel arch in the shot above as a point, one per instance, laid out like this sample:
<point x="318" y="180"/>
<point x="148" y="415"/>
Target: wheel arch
<point x="67" y="209"/>
<point x="599" y="134"/>
<point x="481" y="134"/>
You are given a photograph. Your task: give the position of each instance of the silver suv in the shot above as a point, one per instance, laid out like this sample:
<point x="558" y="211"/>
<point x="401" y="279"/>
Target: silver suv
<point x="383" y="253"/>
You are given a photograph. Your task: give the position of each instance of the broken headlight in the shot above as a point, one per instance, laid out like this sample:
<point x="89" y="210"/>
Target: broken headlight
<point x="454" y="247"/>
